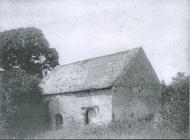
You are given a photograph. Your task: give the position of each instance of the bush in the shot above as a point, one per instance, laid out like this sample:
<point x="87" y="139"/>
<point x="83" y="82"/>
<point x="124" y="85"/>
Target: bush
<point x="175" y="107"/>
<point x="21" y="107"/>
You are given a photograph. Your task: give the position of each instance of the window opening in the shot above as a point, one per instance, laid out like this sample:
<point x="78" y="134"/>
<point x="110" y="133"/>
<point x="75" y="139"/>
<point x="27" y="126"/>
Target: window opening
<point x="58" y="121"/>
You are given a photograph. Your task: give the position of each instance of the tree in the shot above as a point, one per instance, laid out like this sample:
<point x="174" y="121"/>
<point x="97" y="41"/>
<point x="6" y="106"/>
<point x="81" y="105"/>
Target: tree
<point x="21" y="107"/>
<point x="3" y="123"/>
<point x="176" y="102"/>
<point x="25" y="56"/>
<point x="27" y="49"/>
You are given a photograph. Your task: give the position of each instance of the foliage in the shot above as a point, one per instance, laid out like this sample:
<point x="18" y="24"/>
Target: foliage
<point x="21" y="102"/>
<point x="175" y="97"/>
<point x="27" y="49"/>
<point x="25" y="56"/>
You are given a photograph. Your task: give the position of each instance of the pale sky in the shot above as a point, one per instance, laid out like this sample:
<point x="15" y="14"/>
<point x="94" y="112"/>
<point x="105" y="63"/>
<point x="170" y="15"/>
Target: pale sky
<point x="81" y="29"/>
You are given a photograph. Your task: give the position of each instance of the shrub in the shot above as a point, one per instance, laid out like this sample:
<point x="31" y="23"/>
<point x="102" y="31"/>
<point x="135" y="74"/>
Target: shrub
<point x="20" y="103"/>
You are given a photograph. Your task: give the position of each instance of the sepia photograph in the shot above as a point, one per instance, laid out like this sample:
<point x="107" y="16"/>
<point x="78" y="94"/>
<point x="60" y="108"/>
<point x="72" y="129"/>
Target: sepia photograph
<point x="94" y="69"/>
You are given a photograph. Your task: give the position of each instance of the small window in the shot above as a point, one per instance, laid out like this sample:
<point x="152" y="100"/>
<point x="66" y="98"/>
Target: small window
<point x="58" y="121"/>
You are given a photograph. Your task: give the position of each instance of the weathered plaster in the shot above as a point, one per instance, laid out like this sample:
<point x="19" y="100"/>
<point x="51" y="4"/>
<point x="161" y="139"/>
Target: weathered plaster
<point x="69" y="106"/>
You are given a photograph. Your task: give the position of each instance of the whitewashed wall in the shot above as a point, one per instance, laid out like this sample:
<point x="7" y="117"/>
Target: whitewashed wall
<point x="69" y="106"/>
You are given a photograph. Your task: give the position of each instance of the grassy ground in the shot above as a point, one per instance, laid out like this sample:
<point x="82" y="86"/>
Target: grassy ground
<point x="110" y="132"/>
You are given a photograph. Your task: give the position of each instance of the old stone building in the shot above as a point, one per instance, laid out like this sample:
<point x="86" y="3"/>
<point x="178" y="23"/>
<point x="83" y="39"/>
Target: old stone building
<point x="97" y="91"/>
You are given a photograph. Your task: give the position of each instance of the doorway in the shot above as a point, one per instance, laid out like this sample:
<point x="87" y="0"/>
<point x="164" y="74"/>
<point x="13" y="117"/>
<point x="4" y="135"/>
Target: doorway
<point x="88" y="114"/>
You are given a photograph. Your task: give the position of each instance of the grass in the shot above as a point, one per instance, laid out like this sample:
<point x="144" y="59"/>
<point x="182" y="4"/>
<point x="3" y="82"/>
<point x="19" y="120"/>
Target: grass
<point x="112" y="131"/>
<point x="119" y="130"/>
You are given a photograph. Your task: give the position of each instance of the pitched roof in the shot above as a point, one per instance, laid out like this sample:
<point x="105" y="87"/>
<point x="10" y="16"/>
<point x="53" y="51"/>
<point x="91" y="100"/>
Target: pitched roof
<point x="96" y="73"/>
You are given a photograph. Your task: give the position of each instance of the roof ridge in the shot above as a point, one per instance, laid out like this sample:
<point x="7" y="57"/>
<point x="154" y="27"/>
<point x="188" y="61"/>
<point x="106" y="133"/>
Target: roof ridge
<point x="88" y="59"/>
<point x="123" y="68"/>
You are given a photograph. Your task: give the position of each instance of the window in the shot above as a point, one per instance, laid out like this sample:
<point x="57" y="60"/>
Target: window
<point x="58" y="121"/>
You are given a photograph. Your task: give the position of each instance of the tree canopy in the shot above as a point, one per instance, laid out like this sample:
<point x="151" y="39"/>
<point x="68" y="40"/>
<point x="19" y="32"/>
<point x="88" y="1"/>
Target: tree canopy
<point x="175" y="97"/>
<point x="27" y="49"/>
<point x="25" y="56"/>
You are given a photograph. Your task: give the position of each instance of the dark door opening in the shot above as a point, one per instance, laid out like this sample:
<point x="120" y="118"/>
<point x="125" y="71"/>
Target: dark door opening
<point x="89" y="113"/>
<point x="86" y="119"/>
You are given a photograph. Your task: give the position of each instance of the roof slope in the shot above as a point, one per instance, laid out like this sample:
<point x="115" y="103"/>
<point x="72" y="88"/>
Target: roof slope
<point x="96" y="73"/>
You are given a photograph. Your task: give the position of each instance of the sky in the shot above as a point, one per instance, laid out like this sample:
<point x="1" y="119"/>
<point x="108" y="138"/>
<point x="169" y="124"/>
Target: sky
<point x="82" y="29"/>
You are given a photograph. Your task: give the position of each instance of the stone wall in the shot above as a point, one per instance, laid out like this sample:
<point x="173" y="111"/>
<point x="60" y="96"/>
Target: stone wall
<point x="70" y="106"/>
<point x="136" y="94"/>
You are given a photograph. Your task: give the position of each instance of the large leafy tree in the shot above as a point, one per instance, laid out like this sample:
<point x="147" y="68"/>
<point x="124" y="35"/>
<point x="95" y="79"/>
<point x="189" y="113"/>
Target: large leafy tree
<point x="25" y="56"/>
<point x="27" y="49"/>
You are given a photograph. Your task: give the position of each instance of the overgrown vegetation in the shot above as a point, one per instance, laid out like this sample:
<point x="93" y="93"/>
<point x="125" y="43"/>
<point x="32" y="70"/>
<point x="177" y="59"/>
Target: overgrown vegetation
<point x="112" y="131"/>
<point x="175" y="103"/>
<point x="21" y="102"/>
<point x="25" y="57"/>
